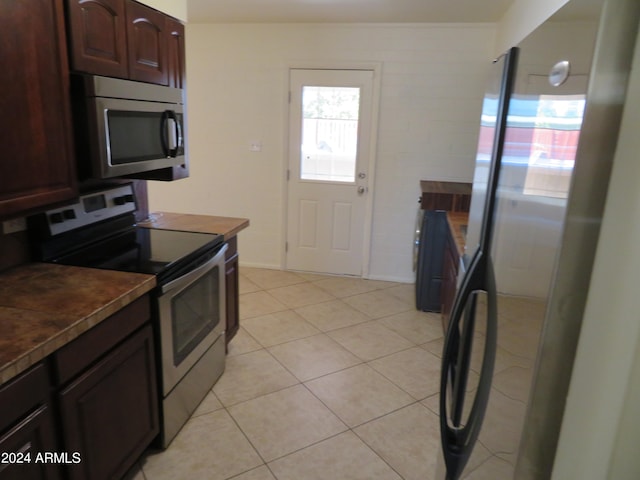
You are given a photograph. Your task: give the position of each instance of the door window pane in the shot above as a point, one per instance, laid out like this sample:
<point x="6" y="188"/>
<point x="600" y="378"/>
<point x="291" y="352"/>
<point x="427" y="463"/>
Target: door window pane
<point x="329" y="133"/>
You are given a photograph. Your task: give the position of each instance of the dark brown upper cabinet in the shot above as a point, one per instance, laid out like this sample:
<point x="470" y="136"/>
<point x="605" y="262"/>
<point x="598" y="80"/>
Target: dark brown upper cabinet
<point x="126" y="39"/>
<point x="176" y="57"/>
<point x="37" y="167"/>
<point x="98" y="37"/>
<point x="147" y="44"/>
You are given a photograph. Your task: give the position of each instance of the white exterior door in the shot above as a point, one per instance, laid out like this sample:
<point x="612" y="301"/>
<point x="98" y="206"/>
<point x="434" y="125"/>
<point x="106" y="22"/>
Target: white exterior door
<point x="330" y="114"/>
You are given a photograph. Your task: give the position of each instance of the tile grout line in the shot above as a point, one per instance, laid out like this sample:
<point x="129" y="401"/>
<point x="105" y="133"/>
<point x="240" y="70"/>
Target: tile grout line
<point x="303" y="383"/>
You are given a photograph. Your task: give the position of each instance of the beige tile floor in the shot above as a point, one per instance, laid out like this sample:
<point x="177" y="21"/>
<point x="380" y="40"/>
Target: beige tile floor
<point x="328" y="378"/>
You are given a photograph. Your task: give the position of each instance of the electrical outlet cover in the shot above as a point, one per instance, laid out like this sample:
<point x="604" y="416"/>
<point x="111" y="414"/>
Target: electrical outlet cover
<point x="13" y="226"/>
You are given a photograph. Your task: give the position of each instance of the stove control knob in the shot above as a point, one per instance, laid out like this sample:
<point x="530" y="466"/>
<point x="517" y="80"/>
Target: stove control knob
<point x="56" y="218"/>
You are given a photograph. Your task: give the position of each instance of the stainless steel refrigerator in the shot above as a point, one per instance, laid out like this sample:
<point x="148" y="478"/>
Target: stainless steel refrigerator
<point x="548" y="135"/>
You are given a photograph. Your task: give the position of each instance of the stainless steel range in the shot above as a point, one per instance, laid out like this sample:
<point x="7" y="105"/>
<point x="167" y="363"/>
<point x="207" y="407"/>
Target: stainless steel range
<point x="99" y="231"/>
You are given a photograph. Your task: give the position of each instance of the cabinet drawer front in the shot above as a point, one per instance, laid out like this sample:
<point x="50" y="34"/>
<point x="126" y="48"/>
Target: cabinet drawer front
<point x="23" y="394"/>
<point x="32" y="436"/>
<point x="71" y="359"/>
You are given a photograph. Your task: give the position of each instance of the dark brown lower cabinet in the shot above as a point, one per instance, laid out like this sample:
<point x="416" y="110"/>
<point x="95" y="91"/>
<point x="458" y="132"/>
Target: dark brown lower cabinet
<point x="449" y="278"/>
<point x="27" y="428"/>
<point x="232" y="276"/>
<point x="87" y="411"/>
<point x="110" y="413"/>
<point x="24" y="446"/>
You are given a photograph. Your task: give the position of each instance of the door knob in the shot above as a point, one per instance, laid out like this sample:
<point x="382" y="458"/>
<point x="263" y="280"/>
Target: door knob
<point x="361" y="190"/>
<point x="362" y="175"/>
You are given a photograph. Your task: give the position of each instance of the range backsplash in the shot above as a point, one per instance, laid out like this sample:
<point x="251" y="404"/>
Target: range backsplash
<point x="14" y="247"/>
<point x="14" y="250"/>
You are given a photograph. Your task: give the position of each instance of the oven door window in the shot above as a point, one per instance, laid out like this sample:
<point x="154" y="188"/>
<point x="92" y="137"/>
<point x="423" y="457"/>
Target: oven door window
<point x="195" y="313"/>
<point x="137" y="136"/>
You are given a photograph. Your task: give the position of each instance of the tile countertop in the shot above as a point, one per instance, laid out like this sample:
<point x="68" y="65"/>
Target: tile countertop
<point x="45" y="306"/>
<point x="226" y="226"/>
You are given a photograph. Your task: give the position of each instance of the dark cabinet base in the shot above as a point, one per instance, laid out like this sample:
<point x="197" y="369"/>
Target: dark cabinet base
<point x="449" y="279"/>
<point x="433" y="234"/>
<point x="27" y="427"/>
<point x="89" y="410"/>
<point x="25" y="447"/>
<point x="110" y="413"/>
<point x="232" y="276"/>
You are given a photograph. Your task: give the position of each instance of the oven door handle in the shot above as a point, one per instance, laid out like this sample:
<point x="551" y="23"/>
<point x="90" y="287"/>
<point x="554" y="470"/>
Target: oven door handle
<point x="188" y="278"/>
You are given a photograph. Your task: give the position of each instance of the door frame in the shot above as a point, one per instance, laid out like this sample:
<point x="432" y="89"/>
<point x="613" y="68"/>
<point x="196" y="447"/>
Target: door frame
<point x="376" y="68"/>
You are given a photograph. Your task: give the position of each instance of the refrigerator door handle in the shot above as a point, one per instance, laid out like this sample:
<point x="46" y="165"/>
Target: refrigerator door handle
<point x="459" y="436"/>
<point x="462" y="367"/>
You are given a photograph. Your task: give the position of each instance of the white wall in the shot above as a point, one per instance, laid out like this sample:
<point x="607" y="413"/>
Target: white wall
<point x="522" y="18"/>
<point x="175" y="8"/>
<point x="433" y="79"/>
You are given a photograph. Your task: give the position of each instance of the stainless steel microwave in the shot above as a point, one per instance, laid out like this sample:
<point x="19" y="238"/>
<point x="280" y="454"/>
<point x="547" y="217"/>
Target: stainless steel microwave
<point x="124" y="128"/>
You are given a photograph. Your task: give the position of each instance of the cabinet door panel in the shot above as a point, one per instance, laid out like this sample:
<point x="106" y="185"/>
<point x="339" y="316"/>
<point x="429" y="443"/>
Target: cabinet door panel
<point x="98" y="37"/>
<point x="32" y="436"/>
<point x="232" y="276"/>
<point x="37" y="167"/>
<point x="147" y="44"/>
<point x="176" y="53"/>
<point x="26" y="425"/>
<point x="110" y="413"/>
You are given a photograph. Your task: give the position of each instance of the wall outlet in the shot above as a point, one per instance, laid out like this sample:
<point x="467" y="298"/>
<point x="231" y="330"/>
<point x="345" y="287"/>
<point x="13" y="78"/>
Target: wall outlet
<point x="13" y="226"/>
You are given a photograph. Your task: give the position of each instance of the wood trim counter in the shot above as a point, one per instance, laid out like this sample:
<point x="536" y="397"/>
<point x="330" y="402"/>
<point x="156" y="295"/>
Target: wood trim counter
<point x="226" y="226"/>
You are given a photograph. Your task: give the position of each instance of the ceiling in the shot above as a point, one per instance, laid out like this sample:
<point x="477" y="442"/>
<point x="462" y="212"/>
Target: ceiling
<point x="345" y="11"/>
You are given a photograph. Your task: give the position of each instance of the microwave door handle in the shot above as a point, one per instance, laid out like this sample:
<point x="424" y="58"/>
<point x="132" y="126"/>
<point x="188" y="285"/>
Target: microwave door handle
<point x="178" y="136"/>
<point x="164" y="133"/>
<point x="174" y="133"/>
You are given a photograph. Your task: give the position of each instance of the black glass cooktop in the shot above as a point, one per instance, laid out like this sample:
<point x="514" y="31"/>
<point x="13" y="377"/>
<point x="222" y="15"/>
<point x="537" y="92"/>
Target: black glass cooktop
<point x="164" y="253"/>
